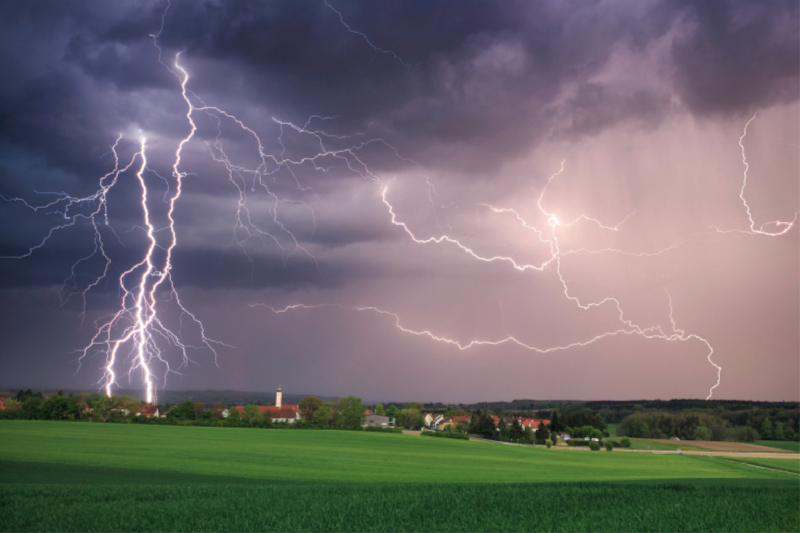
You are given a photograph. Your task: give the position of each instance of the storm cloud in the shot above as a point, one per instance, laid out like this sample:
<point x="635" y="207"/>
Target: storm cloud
<point x="454" y="109"/>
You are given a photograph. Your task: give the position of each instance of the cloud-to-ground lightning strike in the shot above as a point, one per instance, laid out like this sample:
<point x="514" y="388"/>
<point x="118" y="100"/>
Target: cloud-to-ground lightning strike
<point x="137" y="334"/>
<point x="781" y="226"/>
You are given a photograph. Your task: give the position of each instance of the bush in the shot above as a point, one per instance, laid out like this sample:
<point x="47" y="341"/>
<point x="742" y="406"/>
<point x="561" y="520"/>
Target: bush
<point x="549" y="444"/>
<point x="625" y="442"/>
<point x="376" y="429"/>
<point x="10" y="415"/>
<point x="609" y="446"/>
<point x="594" y="446"/>
<point x="446" y="435"/>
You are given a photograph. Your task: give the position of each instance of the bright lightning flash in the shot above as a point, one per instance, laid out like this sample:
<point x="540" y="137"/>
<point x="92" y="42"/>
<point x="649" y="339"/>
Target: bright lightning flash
<point x="138" y="334"/>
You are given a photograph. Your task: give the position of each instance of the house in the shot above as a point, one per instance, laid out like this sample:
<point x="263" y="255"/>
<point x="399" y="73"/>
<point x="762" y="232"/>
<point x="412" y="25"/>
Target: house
<point x="280" y="412"/>
<point x="147" y="411"/>
<point x="445" y="423"/>
<point x="428" y="418"/>
<point x="376" y="421"/>
<point x="437" y="420"/>
<point x="532" y="423"/>
<point x="450" y="422"/>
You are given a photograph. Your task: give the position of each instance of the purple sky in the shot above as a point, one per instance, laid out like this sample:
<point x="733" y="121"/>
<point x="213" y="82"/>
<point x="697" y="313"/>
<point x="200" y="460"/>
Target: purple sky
<point x="538" y="179"/>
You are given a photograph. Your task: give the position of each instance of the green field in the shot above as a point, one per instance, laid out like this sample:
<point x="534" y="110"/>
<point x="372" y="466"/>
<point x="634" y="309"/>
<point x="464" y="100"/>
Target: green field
<point x="645" y="444"/>
<point x="789" y="446"/>
<point x="790" y="465"/>
<point x="98" y="477"/>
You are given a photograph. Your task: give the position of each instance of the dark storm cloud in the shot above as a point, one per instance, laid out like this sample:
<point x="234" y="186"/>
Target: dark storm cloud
<point x="482" y="72"/>
<point x="739" y="56"/>
<point x="479" y="84"/>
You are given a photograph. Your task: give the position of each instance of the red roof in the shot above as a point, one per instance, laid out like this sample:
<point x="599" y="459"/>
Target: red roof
<point x="464" y="419"/>
<point x="148" y="410"/>
<point x="284" y="411"/>
<point x="532" y="423"/>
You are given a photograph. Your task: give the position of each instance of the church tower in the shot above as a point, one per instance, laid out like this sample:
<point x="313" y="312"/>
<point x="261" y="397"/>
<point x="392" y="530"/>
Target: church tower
<point x="278" y="397"/>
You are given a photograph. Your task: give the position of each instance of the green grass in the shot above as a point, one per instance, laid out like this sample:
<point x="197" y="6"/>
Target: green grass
<point x="612" y="430"/>
<point x="642" y="444"/>
<point x="789" y="465"/>
<point x="788" y="445"/>
<point x="392" y="507"/>
<point x="334" y="456"/>
<point x="61" y="476"/>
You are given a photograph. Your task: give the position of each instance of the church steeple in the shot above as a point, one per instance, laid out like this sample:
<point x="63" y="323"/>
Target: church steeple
<point x="278" y="397"/>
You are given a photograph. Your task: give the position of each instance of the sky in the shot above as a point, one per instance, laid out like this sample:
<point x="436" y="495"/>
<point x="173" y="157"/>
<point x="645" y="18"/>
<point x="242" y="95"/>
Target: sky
<point x="411" y="201"/>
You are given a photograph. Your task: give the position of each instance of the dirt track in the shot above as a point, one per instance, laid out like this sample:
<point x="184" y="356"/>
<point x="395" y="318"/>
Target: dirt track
<point x="723" y="446"/>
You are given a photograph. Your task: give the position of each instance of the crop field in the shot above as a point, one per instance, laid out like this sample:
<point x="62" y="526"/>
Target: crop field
<point x="787" y="445"/>
<point x="99" y="477"/>
<point x="790" y="465"/>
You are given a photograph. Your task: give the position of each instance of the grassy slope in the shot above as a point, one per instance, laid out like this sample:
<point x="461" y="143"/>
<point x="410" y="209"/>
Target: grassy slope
<point x="57" y="476"/>
<point x="642" y="444"/>
<point x="334" y="456"/>
<point x="393" y="507"/>
<point x="791" y="446"/>
<point x="790" y="465"/>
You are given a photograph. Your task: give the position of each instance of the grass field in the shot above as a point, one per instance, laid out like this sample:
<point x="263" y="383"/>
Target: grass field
<point x="642" y="444"/>
<point x="790" y="465"/>
<point x="99" y="477"/>
<point x="789" y="446"/>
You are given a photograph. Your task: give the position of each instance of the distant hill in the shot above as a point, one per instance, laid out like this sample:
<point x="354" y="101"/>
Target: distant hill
<point x="230" y="397"/>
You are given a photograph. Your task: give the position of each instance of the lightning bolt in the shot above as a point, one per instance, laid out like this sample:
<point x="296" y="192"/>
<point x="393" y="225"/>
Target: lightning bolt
<point x="781" y="227"/>
<point x="137" y="333"/>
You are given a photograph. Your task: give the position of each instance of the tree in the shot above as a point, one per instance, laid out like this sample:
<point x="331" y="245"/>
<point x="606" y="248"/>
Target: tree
<point x="217" y="410"/>
<point x="516" y="432"/>
<point x="379" y="410"/>
<point x="58" y="408"/>
<point x="31" y="407"/>
<point x="778" y="433"/>
<point x="503" y="431"/>
<point x="199" y="407"/>
<point x="542" y="433"/>
<point x="555" y="422"/>
<point x="486" y="426"/>
<point x="324" y="414"/>
<point x="528" y="436"/>
<point x="392" y="411"/>
<point x="251" y="413"/>
<point x="12" y="404"/>
<point x="410" y="418"/>
<point x="308" y="406"/>
<point x="702" y="433"/>
<point x="766" y="431"/>
<point x="475" y="422"/>
<point x="350" y="413"/>
<point x="625" y="442"/>
<point x="184" y="411"/>
<point x="233" y="414"/>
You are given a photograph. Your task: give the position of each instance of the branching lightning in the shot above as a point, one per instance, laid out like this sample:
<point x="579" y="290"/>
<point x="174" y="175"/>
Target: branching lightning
<point x="137" y="336"/>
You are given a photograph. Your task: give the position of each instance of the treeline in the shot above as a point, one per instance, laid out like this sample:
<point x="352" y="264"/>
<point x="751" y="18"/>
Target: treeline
<point x="693" y="425"/>
<point x="735" y="412"/>
<point x="481" y="423"/>
<point x="344" y="413"/>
